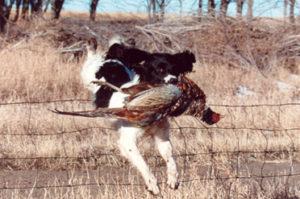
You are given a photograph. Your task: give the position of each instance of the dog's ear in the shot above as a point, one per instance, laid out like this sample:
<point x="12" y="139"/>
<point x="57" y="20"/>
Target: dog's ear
<point x="116" y="51"/>
<point x="183" y="62"/>
<point x="189" y="56"/>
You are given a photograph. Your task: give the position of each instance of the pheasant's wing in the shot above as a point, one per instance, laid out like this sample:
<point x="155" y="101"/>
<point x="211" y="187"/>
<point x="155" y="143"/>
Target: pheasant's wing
<point x="155" y="98"/>
<point x="133" y="90"/>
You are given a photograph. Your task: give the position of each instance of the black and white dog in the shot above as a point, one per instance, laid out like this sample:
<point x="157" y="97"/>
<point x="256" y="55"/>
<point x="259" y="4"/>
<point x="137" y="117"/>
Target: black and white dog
<point x="124" y="66"/>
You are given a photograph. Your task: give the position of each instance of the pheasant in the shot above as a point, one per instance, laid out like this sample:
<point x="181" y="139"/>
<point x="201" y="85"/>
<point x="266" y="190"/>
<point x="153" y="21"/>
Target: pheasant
<point x="147" y="104"/>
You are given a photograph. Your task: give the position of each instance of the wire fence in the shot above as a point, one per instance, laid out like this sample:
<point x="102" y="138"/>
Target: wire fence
<point x="237" y="154"/>
<point x="142" y="184"/>
<point x="88" y="100"/>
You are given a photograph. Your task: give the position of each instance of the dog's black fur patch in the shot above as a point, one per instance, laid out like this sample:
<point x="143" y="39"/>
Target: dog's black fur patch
<point x="151" y="67"/>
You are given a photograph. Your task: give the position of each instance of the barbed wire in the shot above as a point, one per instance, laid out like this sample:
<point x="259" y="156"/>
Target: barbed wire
<point x="256" y="105"/>
<point x="44" y="102"/>
<point x="172" y="128"/>
<point x="156" y="156"/>
<point x="58" y="133"/>
<point x="142" y="184"/>
<point x="292" y="150"/>
<point x="89" y="100"/>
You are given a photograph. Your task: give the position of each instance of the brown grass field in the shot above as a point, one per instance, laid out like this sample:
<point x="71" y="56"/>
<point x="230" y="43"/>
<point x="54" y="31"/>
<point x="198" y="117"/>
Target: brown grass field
<point x="253" y="152"/>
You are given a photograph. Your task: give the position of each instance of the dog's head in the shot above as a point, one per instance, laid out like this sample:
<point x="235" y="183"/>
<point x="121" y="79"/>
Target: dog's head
<point x="129" y="56"/>
<point x="159" y="65"/>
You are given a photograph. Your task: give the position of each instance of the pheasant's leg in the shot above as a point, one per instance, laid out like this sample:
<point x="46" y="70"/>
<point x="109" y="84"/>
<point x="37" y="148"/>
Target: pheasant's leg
<point x="107" y="84"/>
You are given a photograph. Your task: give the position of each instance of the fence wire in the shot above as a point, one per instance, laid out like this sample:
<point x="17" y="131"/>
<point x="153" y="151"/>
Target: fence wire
<point x="88" y="100"/>
<point x="142" y="184"/>
<point x="211" y="152"/>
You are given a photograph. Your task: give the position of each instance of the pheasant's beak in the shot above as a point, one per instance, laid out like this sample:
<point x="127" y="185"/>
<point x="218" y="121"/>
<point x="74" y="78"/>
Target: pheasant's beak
<point x="222" y="116"/>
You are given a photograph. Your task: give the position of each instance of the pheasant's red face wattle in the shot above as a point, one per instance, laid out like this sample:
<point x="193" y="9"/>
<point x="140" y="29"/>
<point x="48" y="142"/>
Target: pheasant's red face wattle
<point x="215" y="117"/>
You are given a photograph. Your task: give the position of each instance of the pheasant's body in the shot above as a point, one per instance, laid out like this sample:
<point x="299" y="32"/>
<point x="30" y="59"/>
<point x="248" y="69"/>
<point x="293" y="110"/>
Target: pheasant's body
<point x="148" y="104"/>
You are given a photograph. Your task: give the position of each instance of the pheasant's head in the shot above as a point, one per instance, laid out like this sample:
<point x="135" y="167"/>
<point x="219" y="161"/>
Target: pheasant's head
<point x="211" y="117"/>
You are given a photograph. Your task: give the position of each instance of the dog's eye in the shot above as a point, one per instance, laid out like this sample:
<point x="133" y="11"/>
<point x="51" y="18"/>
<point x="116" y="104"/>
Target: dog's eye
<point x="161" y="68"/>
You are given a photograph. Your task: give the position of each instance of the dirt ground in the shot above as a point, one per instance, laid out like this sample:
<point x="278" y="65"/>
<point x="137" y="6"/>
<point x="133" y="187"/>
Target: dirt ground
<point x="39" y="181"/>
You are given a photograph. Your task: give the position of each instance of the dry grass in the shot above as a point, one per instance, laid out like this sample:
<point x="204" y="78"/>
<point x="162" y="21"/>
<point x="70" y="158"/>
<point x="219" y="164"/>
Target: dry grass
<point x="35" y="71"/>
<point x="20" y="69"/>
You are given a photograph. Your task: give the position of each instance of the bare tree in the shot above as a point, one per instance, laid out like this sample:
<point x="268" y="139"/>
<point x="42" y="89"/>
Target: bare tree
<point x="285" y="4"/>
<point x="5" y="9"/>
<point x="152" y="8"/>
<point x="292" y="8"/>
<point x="148" y="5"/>
<point x="180" y="5"/>
<point x="18" y="3"/>
<point x="36" y="6"/>
<point x="200" y="12"/>
<point x="239" y="6"/>
<point x="154" y="13"/>
<point x="211" y="8"/>
<point x="25" y="8"/>
<point x="250" y="10"/>
<point x="162" y="5"/>
<point x="223" y="8"/>
<point x="56" y="6"/>
<point x="46" y="4"/>
<point x="94" y="4"/>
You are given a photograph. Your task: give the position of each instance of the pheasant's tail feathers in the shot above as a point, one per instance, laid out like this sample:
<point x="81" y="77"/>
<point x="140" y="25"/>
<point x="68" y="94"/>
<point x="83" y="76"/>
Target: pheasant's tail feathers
<point x="119" y="113"/>
<point x="100" y="112"/>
